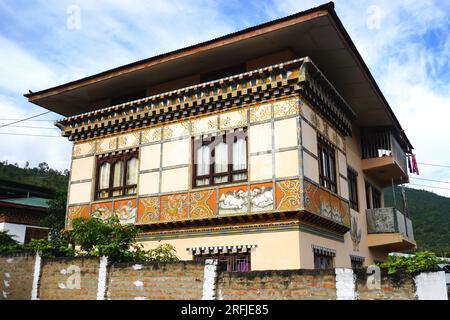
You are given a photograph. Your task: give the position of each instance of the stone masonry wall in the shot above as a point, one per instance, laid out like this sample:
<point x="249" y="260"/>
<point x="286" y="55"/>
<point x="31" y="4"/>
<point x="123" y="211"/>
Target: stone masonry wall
<point x="181" y="280"/>
<point x="69" y="279"/>
<point x="399" y="287"/>
<point x="25" y="277"/>
<point x="277" y="285"/>
<point x="16" y="276"/>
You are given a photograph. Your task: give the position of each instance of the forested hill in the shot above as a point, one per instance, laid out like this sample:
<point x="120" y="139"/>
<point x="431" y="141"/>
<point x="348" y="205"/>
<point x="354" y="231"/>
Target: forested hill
<point x="430" y="214"/>
<point x="42" y="175"/>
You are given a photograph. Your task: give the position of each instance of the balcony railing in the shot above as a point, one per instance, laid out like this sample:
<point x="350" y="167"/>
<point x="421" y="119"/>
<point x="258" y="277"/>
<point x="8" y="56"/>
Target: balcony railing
<point x="383" y="144"/>
<point x="389" y="220"/>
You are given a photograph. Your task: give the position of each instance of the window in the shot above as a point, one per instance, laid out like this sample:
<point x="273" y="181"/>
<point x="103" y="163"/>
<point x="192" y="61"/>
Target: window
<point x="220" y="159"/>
<point x="357" y="262"/>
<point x="35" y="233"/>
<point x="352" y="177"/>
<point x="376" y="198"/>
<point x="117" y="175"/>
<point x="327" y="166"/>
<point x="323" y="261"/>
<point x="235" y="262"/>
<point x="368" y="204"/>
<point x="323" y="257"/>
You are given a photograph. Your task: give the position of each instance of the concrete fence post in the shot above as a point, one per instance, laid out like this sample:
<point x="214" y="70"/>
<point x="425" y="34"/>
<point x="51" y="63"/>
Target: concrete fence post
<point x="345" y="284"/>
<point x="36" y="276"/>
<point x="209" y="280"/>
<point x="102" y="274"/>
<point x="431" y="286"/>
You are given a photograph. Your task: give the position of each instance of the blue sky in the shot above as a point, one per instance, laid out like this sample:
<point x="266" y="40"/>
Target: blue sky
<point x="406" y="45"/>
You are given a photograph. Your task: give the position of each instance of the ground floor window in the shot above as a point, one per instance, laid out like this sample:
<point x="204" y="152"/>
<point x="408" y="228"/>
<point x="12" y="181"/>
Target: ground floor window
<point x="323" y="261"/>
<point x="35" y="233"/>
<point x="323" y="257"/>
<point x="232" y="262"/>
<point x="357" y="262"/>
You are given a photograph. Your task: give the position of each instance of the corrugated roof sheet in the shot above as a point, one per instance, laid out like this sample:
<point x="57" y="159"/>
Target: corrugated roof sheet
<point x="32" y="201"/>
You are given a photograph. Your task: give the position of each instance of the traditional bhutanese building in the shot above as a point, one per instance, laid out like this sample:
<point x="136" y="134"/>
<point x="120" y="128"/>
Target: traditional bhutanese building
<point x="22" y="206"/>
<point x="268" y="148"/>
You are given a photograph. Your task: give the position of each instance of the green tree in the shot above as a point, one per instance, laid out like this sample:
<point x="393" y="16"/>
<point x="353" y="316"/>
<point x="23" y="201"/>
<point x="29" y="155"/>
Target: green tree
<point x="7" y="243"/>
<point x="55" y="219"/>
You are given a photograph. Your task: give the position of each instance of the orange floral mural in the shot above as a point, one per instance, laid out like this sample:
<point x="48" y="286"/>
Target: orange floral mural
<point x="174" y="207"/>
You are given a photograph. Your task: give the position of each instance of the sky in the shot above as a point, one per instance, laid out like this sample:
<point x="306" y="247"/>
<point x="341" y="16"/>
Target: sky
<point x="43" y="43"/>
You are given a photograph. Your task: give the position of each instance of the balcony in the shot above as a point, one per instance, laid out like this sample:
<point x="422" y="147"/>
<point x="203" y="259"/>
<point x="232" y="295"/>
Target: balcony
<point x="384" y="159"/>
<point x="389" y="228"/>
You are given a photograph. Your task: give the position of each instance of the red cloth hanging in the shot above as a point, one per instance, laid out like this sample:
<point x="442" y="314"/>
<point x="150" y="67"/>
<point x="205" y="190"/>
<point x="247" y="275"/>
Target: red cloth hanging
<point x="415" y="168"/>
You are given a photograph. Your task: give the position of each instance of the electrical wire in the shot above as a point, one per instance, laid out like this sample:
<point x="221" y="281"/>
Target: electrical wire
<point x="29" y="135"/>
<point x="423" y="185"/>
<point x="14" y="122"/>
<point x="430" y="180"/>
<point x="32" y="127"/>
<point x="434" y="165"/>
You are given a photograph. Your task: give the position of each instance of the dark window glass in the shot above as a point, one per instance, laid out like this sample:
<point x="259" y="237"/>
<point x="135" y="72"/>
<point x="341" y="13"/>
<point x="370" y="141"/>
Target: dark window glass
<point x="376" y="198"/>
<point x="238" y="262"/>
<point x="356" y="264"/>
<point x="322" y="261"/>
<point x="353" y="189"/>
<point x="327" y="168"/>
<point x="117" y="175"/>
<point x="369" y="206"/>
<point x="220" y="159"/>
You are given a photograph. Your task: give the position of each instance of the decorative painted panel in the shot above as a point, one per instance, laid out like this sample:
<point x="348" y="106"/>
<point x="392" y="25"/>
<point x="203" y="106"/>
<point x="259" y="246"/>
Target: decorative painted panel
<point x="203" y="204"/>
<point x="107" y="144"/>
<point x="233" y="200"/>
<point x="326" y="204"/>
<point x="102" y="210"/>
<point x="82" y="149"/>
<point x="285" y="108"/>
<point x="174" y="207"/>
<point x="312" y="197"/>
<point x="261" y="113"/>
<point x="76" y="212"/>
<point x="148" y="210"/>
<point x="233" y="119"/>
<point x="204" y="125"/>
<point x="126" y="210"/>
<point x="151" y="135"/>
<point x="128" y="140"/>
<point x="261" y="197"/>
<point x="288" y="195"/>
<point x="176" y="130"/>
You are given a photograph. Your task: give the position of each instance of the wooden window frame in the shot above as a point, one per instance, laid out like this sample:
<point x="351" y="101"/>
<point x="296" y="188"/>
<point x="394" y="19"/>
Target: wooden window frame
<point x="112" y="160"/>
<point x="326" y="179"/>
<point x="353" y="189"/>
<point x="319" y="256"/>
<point x="229" y="261"/>
<point x="211" y="142"/>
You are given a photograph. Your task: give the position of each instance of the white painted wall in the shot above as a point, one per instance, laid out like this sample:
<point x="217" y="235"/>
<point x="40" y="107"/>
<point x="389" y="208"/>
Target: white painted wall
<point x="431" y="286"/>
<point x="17" y="230"/>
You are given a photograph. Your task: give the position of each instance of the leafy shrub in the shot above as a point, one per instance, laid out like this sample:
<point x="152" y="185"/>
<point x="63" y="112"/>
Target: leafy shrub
<point x="420" y="262"/>
<point x="97" y="237"/>
<point x="8" y="244"/>
<point x="55" y="247"/>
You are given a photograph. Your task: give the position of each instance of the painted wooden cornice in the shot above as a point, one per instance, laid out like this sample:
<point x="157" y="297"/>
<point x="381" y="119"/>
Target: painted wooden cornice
<point x="299" y="76"/>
